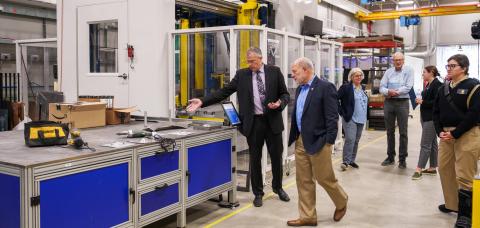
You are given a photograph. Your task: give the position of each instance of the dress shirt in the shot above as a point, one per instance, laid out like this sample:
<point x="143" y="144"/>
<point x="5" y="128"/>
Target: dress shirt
<point x="302" y="96"/>
<point x="401" y="80"/>
<point x="257" y="103"/>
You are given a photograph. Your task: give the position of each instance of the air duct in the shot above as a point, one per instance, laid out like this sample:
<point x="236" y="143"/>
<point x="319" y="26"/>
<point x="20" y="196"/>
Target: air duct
<point x="414" y="43"/>
<point x="432" y="41"/>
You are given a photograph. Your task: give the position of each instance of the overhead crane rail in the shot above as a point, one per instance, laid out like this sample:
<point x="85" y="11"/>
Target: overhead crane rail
<point x="422" y="12"/>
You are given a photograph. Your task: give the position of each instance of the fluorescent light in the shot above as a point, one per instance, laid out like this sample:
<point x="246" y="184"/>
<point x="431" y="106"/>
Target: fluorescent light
<point x="405" y="2"/>
<point x="308" y="1"/>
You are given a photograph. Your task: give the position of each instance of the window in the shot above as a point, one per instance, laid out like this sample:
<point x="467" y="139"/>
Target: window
<point x="471" y="51"/>
<point x="103" y="44"/>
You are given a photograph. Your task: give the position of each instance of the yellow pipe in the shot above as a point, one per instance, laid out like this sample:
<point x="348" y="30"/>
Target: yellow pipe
<point x="199" y="58"/>
<point x="247" y="15"/>
<point x="476" y="203"/>
<point x="422" y="12"/>
<point x="184" y="24"/>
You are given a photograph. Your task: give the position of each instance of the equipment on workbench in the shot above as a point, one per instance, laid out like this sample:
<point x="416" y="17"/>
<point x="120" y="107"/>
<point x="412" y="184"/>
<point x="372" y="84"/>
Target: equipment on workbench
<point x="45" y="133"/>
<point x="77" y="142"/>
<point x="165" y="143"/>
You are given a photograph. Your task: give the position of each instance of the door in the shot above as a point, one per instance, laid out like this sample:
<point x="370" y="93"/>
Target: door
<point x="102" y="37"/>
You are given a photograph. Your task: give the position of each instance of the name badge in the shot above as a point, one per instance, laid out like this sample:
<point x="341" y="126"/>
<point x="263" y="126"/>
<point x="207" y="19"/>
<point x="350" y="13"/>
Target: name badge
<point x="462" y="91"/>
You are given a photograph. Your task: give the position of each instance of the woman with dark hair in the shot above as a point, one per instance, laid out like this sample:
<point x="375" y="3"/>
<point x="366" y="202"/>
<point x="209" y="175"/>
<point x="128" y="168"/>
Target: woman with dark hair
<point x="456" y="114"/>
<point x="428" y="144"/>
<point x="353" y="109"/>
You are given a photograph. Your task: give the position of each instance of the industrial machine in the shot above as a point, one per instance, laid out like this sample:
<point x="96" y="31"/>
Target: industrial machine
<point x="201" y="65"/>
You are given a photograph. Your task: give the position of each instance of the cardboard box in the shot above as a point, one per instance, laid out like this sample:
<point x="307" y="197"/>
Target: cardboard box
<point x="119" y="115"/>
<point x="78" y="115"/>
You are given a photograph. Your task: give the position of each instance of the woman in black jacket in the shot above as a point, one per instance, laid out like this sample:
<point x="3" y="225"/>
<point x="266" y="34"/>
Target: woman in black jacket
<point x="353" y="108"/>
<point x="428" y="144"/>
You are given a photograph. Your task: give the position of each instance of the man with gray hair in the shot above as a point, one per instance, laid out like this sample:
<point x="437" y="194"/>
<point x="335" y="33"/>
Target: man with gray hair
<point x="314" y="130"/>
<point x="262" y="95"/>
<point x="395" y="86"/>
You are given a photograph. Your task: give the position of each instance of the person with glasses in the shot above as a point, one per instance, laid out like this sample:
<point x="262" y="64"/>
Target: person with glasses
<point x="262" y="96"/>
<point x="456" y="114"/>
<point x="428" y="143"/>
<point x="395" y="85"/>
<point x="352" y="102"/>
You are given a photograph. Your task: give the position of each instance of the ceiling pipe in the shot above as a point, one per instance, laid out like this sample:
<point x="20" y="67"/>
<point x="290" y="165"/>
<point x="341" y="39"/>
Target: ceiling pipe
<point x="432" y="41"/>
<point x="414" y="43"/>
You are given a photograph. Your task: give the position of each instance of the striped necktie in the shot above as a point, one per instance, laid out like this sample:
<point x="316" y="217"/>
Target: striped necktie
<point x="261" y="87"/>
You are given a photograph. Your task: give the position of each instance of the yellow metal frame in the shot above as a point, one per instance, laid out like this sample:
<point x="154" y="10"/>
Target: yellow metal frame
<point x="247" y="15"/>
<point x="213" y="119"/>
<point x="199" y="58"/>
<point x="422" y="12"/>
<point x="184" y="24"/>
<point x="476" y="203"/>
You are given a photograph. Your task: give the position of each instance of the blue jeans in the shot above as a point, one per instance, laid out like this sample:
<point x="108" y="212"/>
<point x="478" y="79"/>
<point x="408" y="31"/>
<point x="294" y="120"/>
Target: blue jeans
<point x="353" y="132"/>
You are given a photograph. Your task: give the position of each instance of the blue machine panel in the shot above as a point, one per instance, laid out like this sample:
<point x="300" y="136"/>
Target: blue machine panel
<point x="159" y="164"/>
<point x="9" y="201"/>
<point x="95" y="198"/>
<point x="158" y="199"/>
<point x="209" y="165"/>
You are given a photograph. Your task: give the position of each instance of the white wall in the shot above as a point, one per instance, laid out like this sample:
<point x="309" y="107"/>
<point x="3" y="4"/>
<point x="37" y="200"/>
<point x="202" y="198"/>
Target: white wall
<point x="149" y="22"/>
<point x="290" y="14"/>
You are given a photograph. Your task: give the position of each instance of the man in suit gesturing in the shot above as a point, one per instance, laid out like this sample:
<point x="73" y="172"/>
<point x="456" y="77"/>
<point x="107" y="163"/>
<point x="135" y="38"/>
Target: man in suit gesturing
<point x="314" y="130"/>
<point x="262" y="96"/>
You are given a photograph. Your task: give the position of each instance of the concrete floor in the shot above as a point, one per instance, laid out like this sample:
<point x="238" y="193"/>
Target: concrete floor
<point x="378" y="196"/>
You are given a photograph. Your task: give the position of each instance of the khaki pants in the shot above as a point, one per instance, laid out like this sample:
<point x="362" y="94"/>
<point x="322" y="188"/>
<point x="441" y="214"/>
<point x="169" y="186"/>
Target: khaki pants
<point x="316" y="167"/>
<point x="458" y="165"/>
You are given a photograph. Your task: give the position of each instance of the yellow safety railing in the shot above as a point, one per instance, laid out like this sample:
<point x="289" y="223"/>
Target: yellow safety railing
<point x="476" y="203"/>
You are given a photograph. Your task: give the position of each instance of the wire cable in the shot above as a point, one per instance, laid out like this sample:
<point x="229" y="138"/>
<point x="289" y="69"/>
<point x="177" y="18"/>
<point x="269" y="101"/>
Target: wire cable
<point x="165" y="143"/>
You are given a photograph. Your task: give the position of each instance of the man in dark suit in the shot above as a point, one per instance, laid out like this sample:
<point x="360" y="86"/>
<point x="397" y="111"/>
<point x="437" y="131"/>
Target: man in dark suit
<point x="262" y="96"/>
<point x="314" y="130"/>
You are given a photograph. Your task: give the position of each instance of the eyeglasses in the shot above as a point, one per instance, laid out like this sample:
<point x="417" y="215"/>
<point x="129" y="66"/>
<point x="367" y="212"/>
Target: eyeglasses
<point x="451" y="66"/>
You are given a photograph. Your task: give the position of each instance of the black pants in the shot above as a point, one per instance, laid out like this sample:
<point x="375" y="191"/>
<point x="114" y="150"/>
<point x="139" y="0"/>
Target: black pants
<point x="261" y="132"/>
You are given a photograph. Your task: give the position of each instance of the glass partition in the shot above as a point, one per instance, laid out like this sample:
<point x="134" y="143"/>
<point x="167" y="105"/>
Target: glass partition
<point x="202" y="66"/>
<point x="275" y="53"/>
<point x="294" y="45"/>
<point x="37" y="64"/>
<point x="339" y="79"/>
<point x="325" y="61"/>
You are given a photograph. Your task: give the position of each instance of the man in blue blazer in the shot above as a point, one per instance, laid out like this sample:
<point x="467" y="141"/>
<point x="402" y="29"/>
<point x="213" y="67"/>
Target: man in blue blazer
<point x="314" y="130"/>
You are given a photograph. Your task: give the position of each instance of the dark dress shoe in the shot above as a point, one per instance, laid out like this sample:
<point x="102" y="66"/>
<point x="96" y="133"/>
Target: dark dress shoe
<point x="338" y="215"/>
<point x="301" y="222"/>
<point x="444" y="209"/>
<point x="258" y="201"/>
<point x="402" y="165"/>
<point x="282" y="195"/>
<point x="354" y="165"/>
<point x="388" y="161"/>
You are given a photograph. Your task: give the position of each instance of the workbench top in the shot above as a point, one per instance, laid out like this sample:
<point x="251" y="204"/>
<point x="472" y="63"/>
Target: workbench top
<point x="14" y="152"/>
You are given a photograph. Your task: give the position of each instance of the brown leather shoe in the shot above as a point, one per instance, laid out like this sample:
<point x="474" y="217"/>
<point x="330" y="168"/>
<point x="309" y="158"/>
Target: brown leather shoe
<point x="301" y="222"/>
<point x="338" y="215"/>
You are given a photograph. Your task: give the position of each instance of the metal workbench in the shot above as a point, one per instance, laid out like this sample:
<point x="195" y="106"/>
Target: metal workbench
<point x="131" y="186"/>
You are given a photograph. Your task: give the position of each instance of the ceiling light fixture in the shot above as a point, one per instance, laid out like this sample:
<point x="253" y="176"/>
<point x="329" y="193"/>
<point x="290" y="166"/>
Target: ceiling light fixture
<point x="405" y="2"/>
